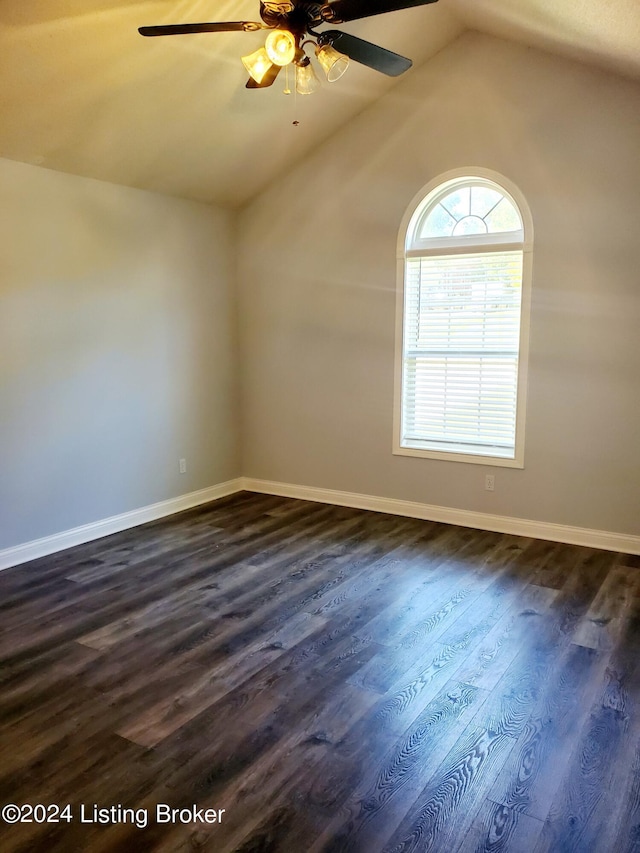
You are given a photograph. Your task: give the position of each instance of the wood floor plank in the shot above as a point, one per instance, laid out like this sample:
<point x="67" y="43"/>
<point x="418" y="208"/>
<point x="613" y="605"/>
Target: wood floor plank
<point x="498" y="829"/>
<point x="498" y="571"/>
<point x="487" y="662"/>
<point x="581" y="813"/>
<point x="378" y="803"/>
<point x="529" y="780"/>
<point x="450" y="585"/>
<point x="442" y="814"/>
<point x="137" y="592"/>
<point x="171" y="712"/>
<point x="261" y="713"/>
<point x="309" y="748"/>
<point x="623" y="829"/>
<point x="396" y="668"/>
<point x="603" y="622"/>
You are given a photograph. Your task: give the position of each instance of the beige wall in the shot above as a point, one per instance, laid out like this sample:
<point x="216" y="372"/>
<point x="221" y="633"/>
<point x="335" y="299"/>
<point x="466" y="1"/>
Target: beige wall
<point x="117" y="350"/>
<point x="317" y="277"/>
<point x="117" y="312"/>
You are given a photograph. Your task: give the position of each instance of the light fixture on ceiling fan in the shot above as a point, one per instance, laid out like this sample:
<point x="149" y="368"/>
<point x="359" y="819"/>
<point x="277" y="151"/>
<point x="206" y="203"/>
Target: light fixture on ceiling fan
<point x="290" y="24"/>
<point x="282" y="48"/>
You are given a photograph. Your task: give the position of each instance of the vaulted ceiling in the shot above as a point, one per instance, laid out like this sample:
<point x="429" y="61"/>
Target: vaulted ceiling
<point x="82" y="92"/>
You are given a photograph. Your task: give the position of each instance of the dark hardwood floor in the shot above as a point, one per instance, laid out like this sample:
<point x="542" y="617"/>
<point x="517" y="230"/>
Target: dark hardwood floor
<point x="335" y="680"/>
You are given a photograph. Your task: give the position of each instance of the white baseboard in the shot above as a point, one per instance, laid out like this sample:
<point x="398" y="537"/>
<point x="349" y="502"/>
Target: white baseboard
<point x="448" y="515"/>
<point x="97" y="529"/>
<point x="484" y="521"/>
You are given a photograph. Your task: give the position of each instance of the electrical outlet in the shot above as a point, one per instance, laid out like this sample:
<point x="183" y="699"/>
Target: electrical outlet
<point x="183" y="466"/>
<point x="490" y="482"/>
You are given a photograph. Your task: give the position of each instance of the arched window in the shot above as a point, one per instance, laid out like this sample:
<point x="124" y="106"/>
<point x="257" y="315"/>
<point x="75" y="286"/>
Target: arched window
<point x="463" y="318"/>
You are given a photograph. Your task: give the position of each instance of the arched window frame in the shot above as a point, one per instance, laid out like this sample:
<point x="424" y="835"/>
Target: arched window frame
<point x="410" y="245"/>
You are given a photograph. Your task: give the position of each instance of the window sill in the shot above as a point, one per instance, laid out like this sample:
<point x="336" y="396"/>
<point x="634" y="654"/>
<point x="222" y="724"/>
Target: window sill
<point x="473" y="458"/>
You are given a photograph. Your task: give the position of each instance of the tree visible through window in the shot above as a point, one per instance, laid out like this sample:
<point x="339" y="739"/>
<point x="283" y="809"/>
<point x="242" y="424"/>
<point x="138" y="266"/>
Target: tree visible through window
<point x="463" y="322"/>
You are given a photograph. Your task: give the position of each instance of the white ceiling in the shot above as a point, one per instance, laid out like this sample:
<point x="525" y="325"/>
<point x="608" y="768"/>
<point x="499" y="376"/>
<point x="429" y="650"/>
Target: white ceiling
<point x="82" y="92"/>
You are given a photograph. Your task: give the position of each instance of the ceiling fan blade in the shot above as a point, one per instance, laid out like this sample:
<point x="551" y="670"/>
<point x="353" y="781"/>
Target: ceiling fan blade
<point x="341" y="11"/>
<point x="267" y="80"/>
<point x="367" y="53"/>
<point x="183" y="29"/>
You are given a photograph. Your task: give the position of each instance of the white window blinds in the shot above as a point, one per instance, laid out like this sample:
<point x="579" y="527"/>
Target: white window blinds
<point x="460" y="352"/>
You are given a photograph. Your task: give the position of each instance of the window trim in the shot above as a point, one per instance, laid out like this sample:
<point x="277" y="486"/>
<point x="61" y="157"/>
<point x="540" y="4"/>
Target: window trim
<point x="451" y="246"/>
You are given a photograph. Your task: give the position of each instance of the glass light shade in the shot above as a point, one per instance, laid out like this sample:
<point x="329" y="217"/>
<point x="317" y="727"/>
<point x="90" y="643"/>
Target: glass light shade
<point x="306" y="80"/>
<point x="334" y="64"/>
<point x="281" y="47"/>
<point x="257" y="64"/>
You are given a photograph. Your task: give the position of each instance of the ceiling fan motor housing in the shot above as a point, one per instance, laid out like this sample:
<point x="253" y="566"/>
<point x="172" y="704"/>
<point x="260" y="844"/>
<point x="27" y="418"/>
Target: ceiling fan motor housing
<point x="295" y="17"/>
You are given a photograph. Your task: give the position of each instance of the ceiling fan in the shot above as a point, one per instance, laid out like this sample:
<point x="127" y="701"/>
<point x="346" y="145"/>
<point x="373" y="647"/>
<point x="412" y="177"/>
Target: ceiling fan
<point x="290" y="22"/>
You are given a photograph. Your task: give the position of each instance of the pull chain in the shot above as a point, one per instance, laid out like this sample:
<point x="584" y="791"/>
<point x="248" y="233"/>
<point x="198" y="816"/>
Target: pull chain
<point x="287" y="91"/>
<point x="295" y="121"/>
